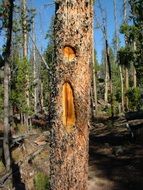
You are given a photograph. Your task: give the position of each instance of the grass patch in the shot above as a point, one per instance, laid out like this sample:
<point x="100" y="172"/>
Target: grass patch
<point x="2" y="167"/>
<point x="41" y="181"/>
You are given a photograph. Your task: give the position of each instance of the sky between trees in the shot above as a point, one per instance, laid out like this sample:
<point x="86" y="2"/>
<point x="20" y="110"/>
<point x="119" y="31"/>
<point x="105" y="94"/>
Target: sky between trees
<point x="45" y="11"/>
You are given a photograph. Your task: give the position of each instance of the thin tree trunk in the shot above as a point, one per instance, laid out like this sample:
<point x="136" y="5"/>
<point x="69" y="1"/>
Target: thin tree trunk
<point x="126" y="68"/>
<point x="6" y="87"/>
<point x="94" y="74"/>
<point x="106" y="81"/>
<point x="24" y="28"/>
<point x="42" y="96"/>
<point x="25" y="56"/>
<point x="134" y="70"/>
<point x="94" y="91"/>
<point x="134" y="76"/>
<point x="117" y="48"/>
<point x="35" y="70"/>
<point x="122" y="88"/>
<point x="70" y="109"/>
<point x="6" y="116"/>
<point x="126" y="86"/>
<point x="110" y="77"/>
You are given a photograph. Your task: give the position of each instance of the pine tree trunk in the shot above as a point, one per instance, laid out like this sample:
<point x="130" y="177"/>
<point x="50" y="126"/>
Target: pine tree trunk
<point x="117" y="48"/>
<point x="122" y="88"/>
<point x="106" y="82"/>
<point x="110" y="76"/>
<point x="126" y="69"/>
<point x="35" y="73"/>
<point x="7" y="54"/>
<point x="94" y="91"/>
<point x="6" y="116"/>
<point x="126" y="86"/>
<point x="134" y="70"/>
<point x="70" y="109"/>
<point x="134" y="77"/>
<point x="94" y="75"/>
<point x="25" y="55"/>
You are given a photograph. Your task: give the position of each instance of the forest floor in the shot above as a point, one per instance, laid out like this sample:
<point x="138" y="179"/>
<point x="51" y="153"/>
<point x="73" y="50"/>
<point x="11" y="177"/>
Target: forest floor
<point x="115" y="158"/>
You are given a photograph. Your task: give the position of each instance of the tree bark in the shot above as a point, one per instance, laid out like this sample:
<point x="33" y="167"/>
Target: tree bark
<point x="70" y="108"/>
<point x="7" y="54"/>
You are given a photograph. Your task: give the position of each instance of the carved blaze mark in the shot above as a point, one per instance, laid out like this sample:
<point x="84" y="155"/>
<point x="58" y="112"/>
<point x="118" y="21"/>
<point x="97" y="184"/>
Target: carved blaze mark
<point x="68" y="106"/>
<point x="69" y="53"/>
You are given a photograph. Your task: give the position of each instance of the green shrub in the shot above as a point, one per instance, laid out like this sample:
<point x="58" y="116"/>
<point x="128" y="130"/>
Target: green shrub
<point x="41" y="181"/>
<point x="134" y="96"/>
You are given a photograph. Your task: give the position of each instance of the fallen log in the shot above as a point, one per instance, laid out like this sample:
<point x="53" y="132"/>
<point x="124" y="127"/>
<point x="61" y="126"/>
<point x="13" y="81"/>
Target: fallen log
<point x="28" y="159"/>
<point x="134" y="115"/>
<point x="135" y="129"/>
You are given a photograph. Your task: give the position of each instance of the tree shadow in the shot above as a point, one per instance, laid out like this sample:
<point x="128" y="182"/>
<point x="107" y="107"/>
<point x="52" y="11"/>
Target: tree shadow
<point x="16" y="175"/>
<point x="16" y="178"/>
<point x="125" y="169"/>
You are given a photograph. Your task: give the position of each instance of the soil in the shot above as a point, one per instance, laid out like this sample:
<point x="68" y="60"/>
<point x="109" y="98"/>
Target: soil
<point x="115" y="158"/>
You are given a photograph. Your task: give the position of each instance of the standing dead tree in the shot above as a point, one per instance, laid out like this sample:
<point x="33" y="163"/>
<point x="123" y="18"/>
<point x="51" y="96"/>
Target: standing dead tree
<point x="94" y="77"/>
<point x="108" y="72"/>
<point x="25" y="54"/>
<point x="126" y="67"/>
<point x="116" y="50"/>
<point x="70" y="96"/>
<point x="7" y="53"/>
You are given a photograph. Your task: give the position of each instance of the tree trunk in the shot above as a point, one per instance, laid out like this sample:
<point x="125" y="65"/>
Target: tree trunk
<point x="134" y="70"/>
<point x="6" y="86"/>
<point x="25" y="55"/>
<point x="106" y="81"/>
<point x="24" y="28"/>
<point x="94" y="89"/>
<point x="117" y="48"/>
<point x="126" y="86"/>
<point x="6" y="116"/>
<point x="126" y="69"/>
<point x="70" y="108"/>
<point x="94" y="75"/>
<point x="110" y="76"/>
<point x="35" y="73"/>
<point x="134" y="76"/>
<point x="122" y="88"/>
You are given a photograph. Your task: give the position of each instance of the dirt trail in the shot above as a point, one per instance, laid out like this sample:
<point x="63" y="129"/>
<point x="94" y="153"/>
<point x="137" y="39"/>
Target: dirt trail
<point x="115" y="161"/>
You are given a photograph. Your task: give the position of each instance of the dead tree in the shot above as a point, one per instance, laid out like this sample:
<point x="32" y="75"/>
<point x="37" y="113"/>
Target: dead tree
<point x="70" y="107"/>
<point x="108" y="72"/>
<point x="7" y="54"/>
<point x="25" y="53"/>
<point x="116" y="50"/>
<point x="126" y="67"/>
<point x="94" y="77"/>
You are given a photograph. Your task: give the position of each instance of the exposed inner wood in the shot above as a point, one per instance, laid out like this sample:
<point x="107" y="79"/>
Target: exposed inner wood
<point x="69" y="53"/>
<point x="68" y="106"/>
